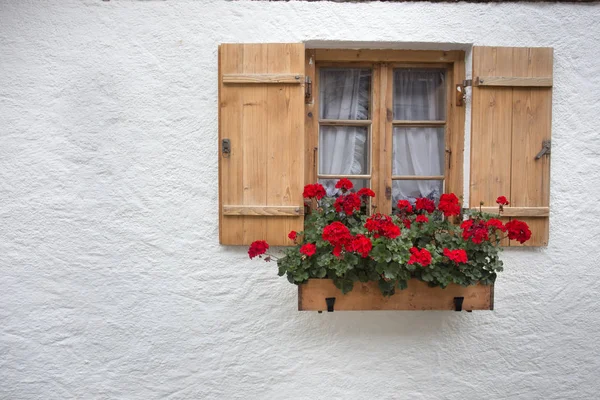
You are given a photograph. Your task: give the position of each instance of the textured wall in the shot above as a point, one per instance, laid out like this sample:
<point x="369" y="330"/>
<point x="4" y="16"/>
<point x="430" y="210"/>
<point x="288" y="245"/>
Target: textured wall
<point x="113" y="284"/>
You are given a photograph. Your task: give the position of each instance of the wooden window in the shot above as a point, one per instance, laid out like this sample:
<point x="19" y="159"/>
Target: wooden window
<point x="386" y="120"/>
<point x="272" y="138"/>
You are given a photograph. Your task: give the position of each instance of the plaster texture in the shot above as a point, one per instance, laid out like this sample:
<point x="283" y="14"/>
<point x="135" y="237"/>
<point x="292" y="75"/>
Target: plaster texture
<point x="112" y="281"/>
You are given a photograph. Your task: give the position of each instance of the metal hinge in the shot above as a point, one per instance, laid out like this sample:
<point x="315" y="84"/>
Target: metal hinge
<point x="546" y="146"/>
<point x="307" y="90"/>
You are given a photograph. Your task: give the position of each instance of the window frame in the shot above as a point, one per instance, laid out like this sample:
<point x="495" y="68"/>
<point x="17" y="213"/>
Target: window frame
<point x="383" y="63"/>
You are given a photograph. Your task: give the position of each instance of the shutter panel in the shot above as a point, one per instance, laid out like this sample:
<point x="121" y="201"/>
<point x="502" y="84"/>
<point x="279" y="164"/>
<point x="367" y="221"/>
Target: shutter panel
<point x="261" y="104"/>
<point x="511" y="119"/>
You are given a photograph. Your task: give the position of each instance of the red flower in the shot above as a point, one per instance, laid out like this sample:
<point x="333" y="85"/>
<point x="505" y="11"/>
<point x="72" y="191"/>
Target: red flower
<point x="293" y="235"/>
<point x="417" y="256"/>
<point x="459" y="256"/>
<point x="338" y="235"/>
<point x="404" y="206"/>
<point x="309" y="249"/>
<point x="257" y="248"/>
<point x="382" y="225"/>
<point x="406" y="223"/>
<point x="344" y="184"/>
<point x="424" y="203"/>
<point x="364" y="192"/>
<point x="422" y="219"/>
<point x="348" y="203"/>
<point x="477" y="231"/>
<point x="315" y="190"/>
<point x="449" y="205"/>
<point x="518" y="230"/>
<point x="495" y="224"/>
<point x="502" y="201"/>
<point x="361" y="244"/>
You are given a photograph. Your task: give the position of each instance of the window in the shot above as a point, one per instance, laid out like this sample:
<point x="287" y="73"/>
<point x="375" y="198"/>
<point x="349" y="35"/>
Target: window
<point x="392" y="120"/>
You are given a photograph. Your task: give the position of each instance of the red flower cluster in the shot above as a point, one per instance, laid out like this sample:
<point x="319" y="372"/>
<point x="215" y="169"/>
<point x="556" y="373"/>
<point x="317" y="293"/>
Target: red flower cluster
<point x="338" y="235"/>
<point x="257" y="248"/>
<point x="366" y="192"/>
<point x="344" y="184"/>
<point x="309" y="249"/>
<point x="449" y="205"/>
<point x="459" y="256"/>
<point x="406" y="223"/>
<point x="382" y="225"/>
<point x="477" y="231"/>
<point x="316" y="190"/>
<point x="347" y="203"/>
<point x="502" y="201"/>
<point x="417" y="256"/>
<point x="422" y="219"/>
<point x="361" y="244"/>
<point x="424" y="203"/>
<point x="495" y="224"/>
<point x="293" y="235"/>
<point x="404" y="206"/>
<point x="518" y="230"/>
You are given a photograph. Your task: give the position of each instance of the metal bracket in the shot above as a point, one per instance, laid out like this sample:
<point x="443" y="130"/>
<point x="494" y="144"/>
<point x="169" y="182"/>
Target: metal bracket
<point x="307" y="90"/>
<point x="546" y="146"/>
<point x="458" y="302"/>
<point x="461" y="95"/>
<point x="330" y="303"/>
<point x="226" y="147"/>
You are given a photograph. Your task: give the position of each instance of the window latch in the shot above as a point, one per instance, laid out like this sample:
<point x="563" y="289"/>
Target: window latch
<point x="226" y="148"/>
<point x="545" y="149"/>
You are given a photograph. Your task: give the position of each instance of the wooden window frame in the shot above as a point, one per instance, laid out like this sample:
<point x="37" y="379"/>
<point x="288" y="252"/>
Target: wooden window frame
<point x="381" y="123"/>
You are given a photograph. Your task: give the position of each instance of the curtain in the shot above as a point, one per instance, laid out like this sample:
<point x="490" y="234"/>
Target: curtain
<point x="419" y="95"/>
<point x="343" y="150"/>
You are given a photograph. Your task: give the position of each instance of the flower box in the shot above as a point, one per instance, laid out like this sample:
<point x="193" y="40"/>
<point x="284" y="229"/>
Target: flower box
<point x="312" y="296"/>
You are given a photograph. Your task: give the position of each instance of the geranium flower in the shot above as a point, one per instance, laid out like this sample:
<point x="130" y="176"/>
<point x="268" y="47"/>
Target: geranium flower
<point x="308" y="249"/>
<point x="293" y="235"/>
<point x="449" y="205"/>
<point x="366" y="192"/>
<point x="382" y="225"/>
<point x="362" y="245"/>
<point x="502" y="201"/>
<point x="315" y="190"/>
<point x="422" y="256"/>
<point x="477" y="231"/>
<point x="426" y="204"/>
<point x="495" y="224"/>
<point x="257" y="248"/>
<point x="421" y="219"/>
<point x="347" y="203"/>
<point x="338" y="235"/>
<point x="518" y="230"/>
<point x="404" y="206"/>
<point x="459" y="256"/>
<point x="344" y="184"/>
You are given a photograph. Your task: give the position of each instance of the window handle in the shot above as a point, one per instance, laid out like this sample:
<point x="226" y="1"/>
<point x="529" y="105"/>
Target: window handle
<point x="388" y="192"/>
<point x="545" y="149"/>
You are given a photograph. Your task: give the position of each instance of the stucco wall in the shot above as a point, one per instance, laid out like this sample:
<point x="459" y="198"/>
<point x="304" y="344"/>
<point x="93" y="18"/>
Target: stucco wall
<point x="113" y="284"/>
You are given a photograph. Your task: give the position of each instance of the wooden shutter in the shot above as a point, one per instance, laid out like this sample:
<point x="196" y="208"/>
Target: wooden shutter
<point x="511" y="121"/>
<point x="261" y="177"/>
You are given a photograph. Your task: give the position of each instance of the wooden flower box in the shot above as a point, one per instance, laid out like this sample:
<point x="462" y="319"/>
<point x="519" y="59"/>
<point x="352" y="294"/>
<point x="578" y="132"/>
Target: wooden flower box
<point x="317" y="295"/>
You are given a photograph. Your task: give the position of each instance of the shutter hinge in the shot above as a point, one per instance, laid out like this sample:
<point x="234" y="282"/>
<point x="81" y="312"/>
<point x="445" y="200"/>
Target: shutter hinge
<point x="468" y="82"/>
<point x="307" y="90"/>
<point x="546" y="146"/>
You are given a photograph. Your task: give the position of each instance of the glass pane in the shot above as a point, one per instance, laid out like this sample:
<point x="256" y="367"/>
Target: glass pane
<point x="418" y="151"/>
<point x="329" y="185"/>
<point x="344" y="93"/>
<point x="343" y="150"/>
<point x="412" y="190"/>
<point x="419" y="94"/>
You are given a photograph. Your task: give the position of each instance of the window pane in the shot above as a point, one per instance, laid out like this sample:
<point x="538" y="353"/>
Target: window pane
<point x="419" y="94"/>
<point x="411" y="190"/>
<point x="418" y="151"/>
<point x="344" y="93"/>
<point x="343" y="150"/>
<point x="329" y="185"/>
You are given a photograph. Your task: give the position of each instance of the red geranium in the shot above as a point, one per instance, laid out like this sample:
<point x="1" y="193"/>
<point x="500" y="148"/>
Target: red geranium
<point x="518" y="230"/>
<point x="424" y="203"/>
<point x="366" y="192"/>
<point x="316" y="190"/>
<point x="449" y="205"/>
<point x="362" y="245"/>
<point x="338" y="235"/>
<point x="417" y="256"/>
<point x="459" y="256"/>
<point x="477" y="231"/>
<point x="347" y="203"/>
<point x="344" y="184"/>
<point x="422" y="219"/>
<point x="382" y="225"/>
<point x="502" y="201"/>
<point x="406" y="223"/>
<point x="496" y="224"/>
<point x="257" y="248"/>
<point x="309" y="249"/>
<point x="293" y="235"/>
<point x="404" y="206"/>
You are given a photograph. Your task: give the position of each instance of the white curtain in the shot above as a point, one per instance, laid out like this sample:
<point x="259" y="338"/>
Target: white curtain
<point x="345" y="95"/>
<point x="419" y="95"/>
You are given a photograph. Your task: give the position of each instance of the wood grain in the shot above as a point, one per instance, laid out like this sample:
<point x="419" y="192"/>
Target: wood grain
<point x="388" y="56"/>
<point x="275" y="211"/>
<point x="518" y="211"/>
<point x="263" y="78"/>
<point x="513" y="81"/>
<point x="367" y="296"/>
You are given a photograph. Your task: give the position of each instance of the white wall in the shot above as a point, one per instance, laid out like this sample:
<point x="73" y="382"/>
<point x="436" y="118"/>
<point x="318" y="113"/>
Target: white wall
<point x="113" y="284"/>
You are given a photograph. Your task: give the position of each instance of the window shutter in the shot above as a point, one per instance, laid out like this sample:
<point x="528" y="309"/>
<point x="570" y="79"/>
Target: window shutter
<point x="511" y="123"/>
<point x="261" y="142"/>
